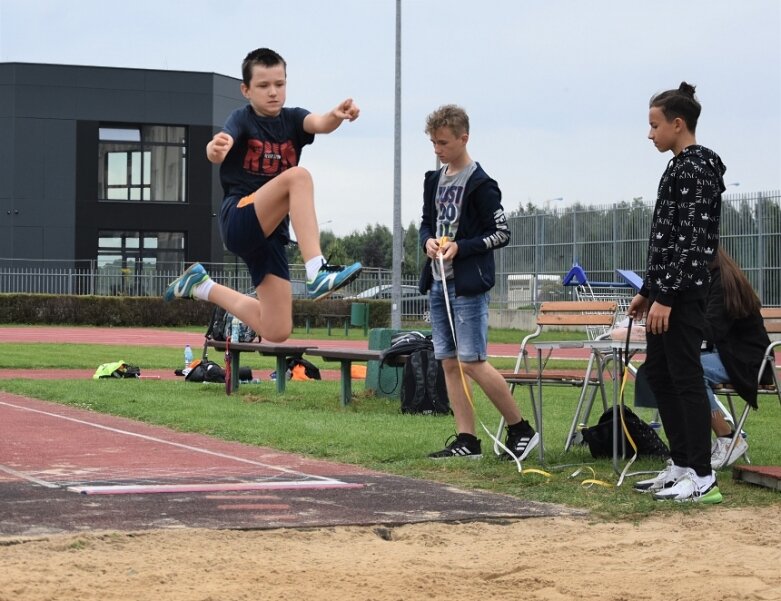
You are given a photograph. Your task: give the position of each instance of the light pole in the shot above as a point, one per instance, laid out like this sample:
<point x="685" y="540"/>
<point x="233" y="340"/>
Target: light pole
<point x="550" y="200"/>
<point x="397" y="236"/>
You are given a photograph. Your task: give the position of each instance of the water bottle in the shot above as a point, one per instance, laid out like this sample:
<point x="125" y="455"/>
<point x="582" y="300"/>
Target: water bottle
<point x="188" y="356"/>
<point x="235" y="330"/>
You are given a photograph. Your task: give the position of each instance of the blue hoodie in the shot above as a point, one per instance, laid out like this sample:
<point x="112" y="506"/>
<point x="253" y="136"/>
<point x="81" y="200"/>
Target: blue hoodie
<point x="482" y="228"/>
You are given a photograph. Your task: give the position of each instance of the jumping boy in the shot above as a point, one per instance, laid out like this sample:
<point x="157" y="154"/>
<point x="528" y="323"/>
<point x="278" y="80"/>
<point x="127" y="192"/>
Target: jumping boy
<point x="463" y="221"/>
<point x="258" y="151"/>
<point x="684" y="238"/>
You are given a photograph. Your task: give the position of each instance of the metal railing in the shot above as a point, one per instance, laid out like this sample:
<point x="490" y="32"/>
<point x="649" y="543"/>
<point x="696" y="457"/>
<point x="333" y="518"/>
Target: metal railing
<point x="543" y="247"/>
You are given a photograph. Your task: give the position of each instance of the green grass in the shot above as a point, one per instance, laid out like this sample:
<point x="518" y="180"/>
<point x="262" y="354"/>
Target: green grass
<point x="370" y="432"/>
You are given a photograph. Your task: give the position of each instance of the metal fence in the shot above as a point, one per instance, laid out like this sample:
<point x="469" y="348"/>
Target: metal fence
<point x="60" y="277"/>
<point x="545" y="245"/>
<point x="543" y="248"/>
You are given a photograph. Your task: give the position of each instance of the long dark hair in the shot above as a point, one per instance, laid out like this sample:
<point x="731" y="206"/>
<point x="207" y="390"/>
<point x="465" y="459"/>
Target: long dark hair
<point x="740" y="300"/>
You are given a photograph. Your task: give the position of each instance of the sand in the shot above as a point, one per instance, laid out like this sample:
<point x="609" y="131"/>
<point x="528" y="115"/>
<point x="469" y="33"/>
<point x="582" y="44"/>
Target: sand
<point x="708" y="553"/>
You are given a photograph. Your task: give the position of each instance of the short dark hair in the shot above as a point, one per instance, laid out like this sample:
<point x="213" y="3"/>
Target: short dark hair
<point x="679" y="103"/>
<point x="451" y="116"/>
<point x="260" y="56"/>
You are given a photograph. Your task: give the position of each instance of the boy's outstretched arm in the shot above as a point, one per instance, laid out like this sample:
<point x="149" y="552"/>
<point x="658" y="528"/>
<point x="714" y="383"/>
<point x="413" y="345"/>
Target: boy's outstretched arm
<point x="328" y="122"/>
<point x="217" y="149"/>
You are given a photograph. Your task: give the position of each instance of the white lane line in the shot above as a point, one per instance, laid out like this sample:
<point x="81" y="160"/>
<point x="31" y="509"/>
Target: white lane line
<point x="23" y="476"/>
<point x="236" y="486"/>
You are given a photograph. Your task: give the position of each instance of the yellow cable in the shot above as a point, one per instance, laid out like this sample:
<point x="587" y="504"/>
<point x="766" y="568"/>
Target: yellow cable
<point x="467" y="389"/>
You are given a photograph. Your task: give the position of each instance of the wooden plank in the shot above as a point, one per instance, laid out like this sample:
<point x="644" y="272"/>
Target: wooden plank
<point x="351" y="354"/>
<point x="590" y="319"/>
<point x="578" y="306"/>
<point x="772" y="317"/>
<point x="768" y="476"/>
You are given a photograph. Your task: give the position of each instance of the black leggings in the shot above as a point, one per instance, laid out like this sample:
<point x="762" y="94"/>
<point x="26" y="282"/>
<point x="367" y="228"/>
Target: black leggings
<point x="675" y="375"/>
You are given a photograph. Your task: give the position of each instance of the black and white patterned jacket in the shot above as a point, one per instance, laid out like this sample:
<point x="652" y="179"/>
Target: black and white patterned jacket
<point x="685" y="227"/>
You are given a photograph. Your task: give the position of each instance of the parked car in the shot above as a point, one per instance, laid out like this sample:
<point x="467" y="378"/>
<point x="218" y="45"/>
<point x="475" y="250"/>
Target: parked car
<point x="414" y="305"/>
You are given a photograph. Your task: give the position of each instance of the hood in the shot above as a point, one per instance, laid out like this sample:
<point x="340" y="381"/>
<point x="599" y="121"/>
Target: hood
<point x="709" y="160"/>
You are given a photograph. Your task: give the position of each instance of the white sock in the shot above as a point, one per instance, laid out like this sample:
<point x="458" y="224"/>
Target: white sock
<point x="313" y="265"/>
<point x="703" y="481"/>
<point x="201" y="291"/>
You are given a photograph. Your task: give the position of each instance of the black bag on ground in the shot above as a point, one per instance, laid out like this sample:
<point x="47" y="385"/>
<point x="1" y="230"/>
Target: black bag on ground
<point x="310" y="369"/>
<point x="206" y="371"/>
<point x="600" y="437"/>
<point x="423" y="385"/>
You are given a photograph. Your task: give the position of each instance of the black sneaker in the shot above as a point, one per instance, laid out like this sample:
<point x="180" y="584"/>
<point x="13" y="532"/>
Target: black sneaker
<point x="521" y="444"/>
<point x="458" y="447"/>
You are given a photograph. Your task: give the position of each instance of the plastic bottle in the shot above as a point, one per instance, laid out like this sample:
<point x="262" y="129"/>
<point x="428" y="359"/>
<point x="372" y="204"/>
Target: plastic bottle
<point x="188" y="356"/>
<point x="235" y="330"/>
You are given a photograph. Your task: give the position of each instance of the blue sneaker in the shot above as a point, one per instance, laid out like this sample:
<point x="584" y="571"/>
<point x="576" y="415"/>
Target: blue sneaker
<point x="183" y="286"/>
<point x="330" y="278"/>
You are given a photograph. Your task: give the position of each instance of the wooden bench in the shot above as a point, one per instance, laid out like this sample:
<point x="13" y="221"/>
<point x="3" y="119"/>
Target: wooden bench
<point x="280" y="351"/>
<point x="345" y="319"/>
<point x="345" y="357"/>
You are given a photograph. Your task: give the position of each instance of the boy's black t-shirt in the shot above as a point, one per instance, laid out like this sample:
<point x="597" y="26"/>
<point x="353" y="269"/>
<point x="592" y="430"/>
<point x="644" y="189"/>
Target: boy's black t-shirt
<point x="263" y="147"/>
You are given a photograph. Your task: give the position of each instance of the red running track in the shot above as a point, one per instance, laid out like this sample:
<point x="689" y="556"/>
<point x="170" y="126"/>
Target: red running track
<point x="160" y="337"/>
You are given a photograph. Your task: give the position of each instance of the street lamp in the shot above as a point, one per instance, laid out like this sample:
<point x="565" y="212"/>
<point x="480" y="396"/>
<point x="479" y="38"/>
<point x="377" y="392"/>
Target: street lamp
<point x="550" y="200"/>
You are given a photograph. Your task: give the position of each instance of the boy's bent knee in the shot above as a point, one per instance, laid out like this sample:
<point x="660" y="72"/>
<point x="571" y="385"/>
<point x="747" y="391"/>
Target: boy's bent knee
<point x="276" y="331"/>
<point x="276" y="335"/>
<point x="297" y="173"/>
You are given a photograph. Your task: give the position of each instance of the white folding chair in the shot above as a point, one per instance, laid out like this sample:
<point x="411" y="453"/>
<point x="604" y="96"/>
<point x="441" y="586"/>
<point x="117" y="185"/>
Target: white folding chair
<point x="581" y="314"/>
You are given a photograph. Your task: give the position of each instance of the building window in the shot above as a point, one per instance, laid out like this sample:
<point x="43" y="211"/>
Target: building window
<point x="142" y="163"/>
<point x="141" y="251"/>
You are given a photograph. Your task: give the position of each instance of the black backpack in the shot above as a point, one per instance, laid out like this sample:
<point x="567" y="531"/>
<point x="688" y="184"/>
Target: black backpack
<point x="405" y="343"/>
<point x="600" y="437"/>
<point x="220" y="327"/>
<point x="423" y="385"/>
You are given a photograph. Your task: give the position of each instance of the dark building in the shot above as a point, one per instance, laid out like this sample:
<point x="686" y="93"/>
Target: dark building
<point x="108" y="166"/>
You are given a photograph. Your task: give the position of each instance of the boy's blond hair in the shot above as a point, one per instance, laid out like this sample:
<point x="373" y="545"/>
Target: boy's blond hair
<point x="448" y="115"/>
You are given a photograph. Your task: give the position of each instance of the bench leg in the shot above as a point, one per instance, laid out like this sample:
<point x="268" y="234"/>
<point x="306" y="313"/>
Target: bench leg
<point x="281" y="373"/>
<point x="346" y="385"/>
<point x="235" y="370"/>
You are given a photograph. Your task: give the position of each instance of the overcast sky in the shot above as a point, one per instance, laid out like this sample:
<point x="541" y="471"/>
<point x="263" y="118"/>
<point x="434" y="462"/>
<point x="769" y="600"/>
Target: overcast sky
<point x="557" y="90"/>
